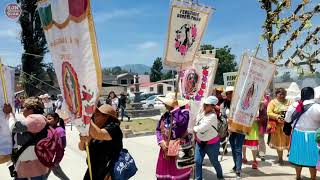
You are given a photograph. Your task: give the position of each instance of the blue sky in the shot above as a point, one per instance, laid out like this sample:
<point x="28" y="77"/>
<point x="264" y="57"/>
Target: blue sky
<point x="134" y="32"/>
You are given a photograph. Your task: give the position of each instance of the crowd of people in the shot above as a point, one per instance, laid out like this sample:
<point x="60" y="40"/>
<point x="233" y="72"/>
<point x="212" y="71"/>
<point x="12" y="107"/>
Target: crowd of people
<point x="105" y="135"/>
<point x="40" y="114"/>
<point x="273" y="118"/>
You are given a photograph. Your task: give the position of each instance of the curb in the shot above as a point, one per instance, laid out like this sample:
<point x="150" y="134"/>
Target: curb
<point x="139" y="134"/>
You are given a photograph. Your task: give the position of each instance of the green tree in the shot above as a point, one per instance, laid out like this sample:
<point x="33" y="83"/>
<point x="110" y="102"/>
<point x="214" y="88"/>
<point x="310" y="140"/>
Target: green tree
<point x="51" y="73"/>
<point x="34" y="42"/>
<point x="156" y="70"/>
<point x="169" y="74"/>
<point x="118" y="70"/>
<point x="286" y="77"/>
<point x="227" y="61"/>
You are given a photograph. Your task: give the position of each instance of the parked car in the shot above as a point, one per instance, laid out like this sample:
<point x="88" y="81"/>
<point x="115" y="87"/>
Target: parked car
<point x="146" y="96"/>
<point x="153" y="103"/>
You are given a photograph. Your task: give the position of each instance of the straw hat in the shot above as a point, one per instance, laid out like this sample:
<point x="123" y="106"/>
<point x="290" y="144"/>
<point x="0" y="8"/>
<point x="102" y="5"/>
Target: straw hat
<point x="228" y="89"/>
<point x="170" y="98"/>
<point x="108" y="110"/>
<point x="220" y="88"/>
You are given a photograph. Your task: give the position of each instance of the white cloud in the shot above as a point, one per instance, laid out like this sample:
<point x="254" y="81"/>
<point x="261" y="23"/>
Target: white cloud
<point x="101" y="17"/>
<point x="147" y="45"/>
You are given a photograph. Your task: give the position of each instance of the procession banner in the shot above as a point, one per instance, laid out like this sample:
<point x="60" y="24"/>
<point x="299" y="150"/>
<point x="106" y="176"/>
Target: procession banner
<point x="5" y="133"/>
<point x="229" y="79"/>
<point x="253" y="80"/>
<point x="187" y="24"/>
<point x="70" y="34"/>
<point x="196" y="83"/>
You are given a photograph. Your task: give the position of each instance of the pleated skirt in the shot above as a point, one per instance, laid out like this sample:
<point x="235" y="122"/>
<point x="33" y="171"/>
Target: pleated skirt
<point x="304" y="149"/>
<point x="167" y="169"/>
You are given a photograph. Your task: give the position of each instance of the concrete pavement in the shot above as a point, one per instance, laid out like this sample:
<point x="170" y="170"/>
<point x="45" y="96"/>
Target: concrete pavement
<point x="145" y="152"/>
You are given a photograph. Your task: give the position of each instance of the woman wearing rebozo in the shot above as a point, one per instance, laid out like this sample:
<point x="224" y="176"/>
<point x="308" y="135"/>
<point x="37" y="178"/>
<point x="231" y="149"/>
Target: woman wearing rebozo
<point x="166" y="165"/>
<point x="276" y="113"/>
<point x="304" y="149"/>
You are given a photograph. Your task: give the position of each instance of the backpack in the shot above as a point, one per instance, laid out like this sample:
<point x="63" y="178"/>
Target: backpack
<point x="50" y="150"/>
<point x="222" y="128"/>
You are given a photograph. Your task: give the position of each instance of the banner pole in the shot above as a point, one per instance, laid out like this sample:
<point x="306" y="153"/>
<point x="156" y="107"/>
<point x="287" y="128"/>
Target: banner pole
<point x="3" y="82"/>
<point x="89" y="160"/>
<point x="257" y="50"/>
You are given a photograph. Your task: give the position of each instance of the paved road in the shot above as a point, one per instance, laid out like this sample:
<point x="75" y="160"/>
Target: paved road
<point x="145" y="152"/>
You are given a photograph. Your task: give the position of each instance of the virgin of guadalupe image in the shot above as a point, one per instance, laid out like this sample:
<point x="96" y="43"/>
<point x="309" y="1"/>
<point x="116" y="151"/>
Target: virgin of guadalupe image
<point x="71" y="92"/>
<point x="191" y="81"/>
<point x="248" y="97"/>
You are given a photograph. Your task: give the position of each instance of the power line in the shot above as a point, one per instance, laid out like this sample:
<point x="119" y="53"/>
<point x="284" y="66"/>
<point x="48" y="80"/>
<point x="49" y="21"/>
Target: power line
<point x="32" y="76"/>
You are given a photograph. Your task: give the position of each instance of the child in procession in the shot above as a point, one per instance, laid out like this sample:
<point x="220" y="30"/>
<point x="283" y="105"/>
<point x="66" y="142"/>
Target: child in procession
<point x="57" y="123"/>
<point x="251" y="142"/>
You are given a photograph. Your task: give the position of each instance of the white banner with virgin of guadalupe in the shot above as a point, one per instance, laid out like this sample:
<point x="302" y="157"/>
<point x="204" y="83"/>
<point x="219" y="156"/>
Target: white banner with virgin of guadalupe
<point x="187" y="24"/>
<point x="196" y="83"/>
<point x="254" y="77"/>
<point x="70" y="34"/>
<point x="5" y="133"/>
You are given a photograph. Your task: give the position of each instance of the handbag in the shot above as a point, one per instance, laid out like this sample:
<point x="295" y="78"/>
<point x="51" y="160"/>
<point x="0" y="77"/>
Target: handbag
<point x="173" y="148"/>
<point x="124" y="166"/>
<point x="287" y="128"/>
<point x="173" y="145"/>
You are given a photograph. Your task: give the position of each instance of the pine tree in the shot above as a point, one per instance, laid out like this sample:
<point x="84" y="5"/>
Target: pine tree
<point x="34" y="42"/>
<point x="156" y="70"/>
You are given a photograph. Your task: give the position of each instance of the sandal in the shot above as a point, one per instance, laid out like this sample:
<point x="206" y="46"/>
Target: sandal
<point x="255" y="165"/>
<point x="244" y="161"/>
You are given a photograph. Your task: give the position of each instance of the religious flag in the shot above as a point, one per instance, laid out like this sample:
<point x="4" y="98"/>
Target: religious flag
<point x="254" y="77"/>
<point x="196" y="83"/>
<point x="187" y="24"/>
<point x="5" y="133"/>
<point x="70" y="34"/>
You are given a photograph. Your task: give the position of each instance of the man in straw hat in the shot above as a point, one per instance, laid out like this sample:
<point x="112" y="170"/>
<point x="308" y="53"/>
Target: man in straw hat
<point x="236" y="139"/>
<point x="172" y="125"/>
<point x="105" y="142"/>
<point x="218" y="93"/>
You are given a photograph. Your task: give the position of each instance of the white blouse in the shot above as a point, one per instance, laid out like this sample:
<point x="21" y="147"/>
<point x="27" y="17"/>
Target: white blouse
<point x="309" y="120"/>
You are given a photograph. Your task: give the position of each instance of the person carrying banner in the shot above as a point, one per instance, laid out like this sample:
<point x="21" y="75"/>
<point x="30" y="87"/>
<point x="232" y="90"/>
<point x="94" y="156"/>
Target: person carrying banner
<point x="277" y="109"/>
<point x="207" y="137"/>
<point x="236" y="139"/>
<point x="304" y="117"/>
<point x="166" y="165"/>
<point x="105" y="142"/>
<point x="27" y="165"/>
